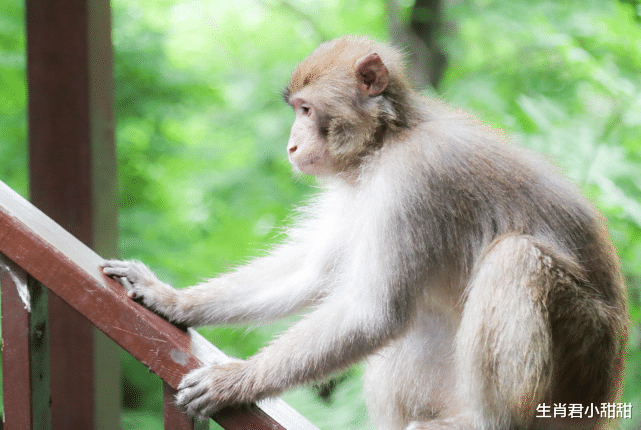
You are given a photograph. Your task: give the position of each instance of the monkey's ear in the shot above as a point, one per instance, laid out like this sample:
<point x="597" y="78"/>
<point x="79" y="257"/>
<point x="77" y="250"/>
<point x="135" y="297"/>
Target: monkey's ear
<point x="372" y="75"/>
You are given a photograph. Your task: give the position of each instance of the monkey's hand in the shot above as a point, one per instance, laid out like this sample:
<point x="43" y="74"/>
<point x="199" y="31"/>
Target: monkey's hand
<point x="142" y="285"/>
<point x="210" y="388"/>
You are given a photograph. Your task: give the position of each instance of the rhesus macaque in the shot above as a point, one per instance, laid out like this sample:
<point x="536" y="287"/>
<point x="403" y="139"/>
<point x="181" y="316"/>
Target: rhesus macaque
<point x="475" y="281"/>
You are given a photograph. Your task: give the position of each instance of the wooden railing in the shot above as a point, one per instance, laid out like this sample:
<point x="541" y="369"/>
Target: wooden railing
<point x="37" y="253"/>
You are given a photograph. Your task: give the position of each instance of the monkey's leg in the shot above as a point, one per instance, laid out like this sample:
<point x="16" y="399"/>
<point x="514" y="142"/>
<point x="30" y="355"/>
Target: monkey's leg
<point x="504" y="342"/>
<point x="414" y="375"/>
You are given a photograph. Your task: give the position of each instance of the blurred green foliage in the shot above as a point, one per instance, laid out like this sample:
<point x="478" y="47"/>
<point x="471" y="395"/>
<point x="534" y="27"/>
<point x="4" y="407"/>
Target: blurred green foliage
<point x="204" y="181"/>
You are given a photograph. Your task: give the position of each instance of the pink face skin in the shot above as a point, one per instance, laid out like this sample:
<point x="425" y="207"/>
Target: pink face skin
<point x="306" y="149"/>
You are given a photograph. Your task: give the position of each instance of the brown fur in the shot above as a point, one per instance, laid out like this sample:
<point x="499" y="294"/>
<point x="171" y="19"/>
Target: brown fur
<point x="350" y="121"/>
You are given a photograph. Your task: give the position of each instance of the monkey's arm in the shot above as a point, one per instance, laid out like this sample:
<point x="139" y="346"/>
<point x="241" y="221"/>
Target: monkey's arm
<point x="372" y="305"/>
<point x="266" y="288"/>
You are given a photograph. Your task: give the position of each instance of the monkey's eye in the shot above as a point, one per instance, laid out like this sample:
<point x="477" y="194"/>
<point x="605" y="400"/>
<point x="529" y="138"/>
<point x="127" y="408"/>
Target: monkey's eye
<point x="307" y="110"/>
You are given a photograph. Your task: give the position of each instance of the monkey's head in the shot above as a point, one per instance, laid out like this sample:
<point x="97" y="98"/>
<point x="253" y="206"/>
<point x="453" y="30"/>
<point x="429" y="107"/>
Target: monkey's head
<point x="346" y="96"/>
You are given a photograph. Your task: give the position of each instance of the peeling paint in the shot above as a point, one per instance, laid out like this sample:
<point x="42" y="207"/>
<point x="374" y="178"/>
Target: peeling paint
<point x="20" y="281"/>
<point x="178" y="356"/>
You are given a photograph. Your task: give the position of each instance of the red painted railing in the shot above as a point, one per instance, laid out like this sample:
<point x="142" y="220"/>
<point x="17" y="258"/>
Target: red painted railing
<point x="38" y="254"/>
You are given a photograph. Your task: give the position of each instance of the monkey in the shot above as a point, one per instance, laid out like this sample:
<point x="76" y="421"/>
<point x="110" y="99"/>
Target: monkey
<point x="476" y="282"/>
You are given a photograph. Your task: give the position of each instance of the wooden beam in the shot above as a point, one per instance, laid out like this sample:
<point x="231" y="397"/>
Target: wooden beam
<point x="72" y="178"/>
<point x="71" y="270"/>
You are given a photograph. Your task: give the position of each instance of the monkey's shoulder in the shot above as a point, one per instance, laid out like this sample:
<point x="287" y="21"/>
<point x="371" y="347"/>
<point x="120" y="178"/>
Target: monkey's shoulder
<point x="460" y="163"/>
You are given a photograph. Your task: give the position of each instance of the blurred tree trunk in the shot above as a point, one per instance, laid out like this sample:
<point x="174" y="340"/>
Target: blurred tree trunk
<point x="426" y="61"/>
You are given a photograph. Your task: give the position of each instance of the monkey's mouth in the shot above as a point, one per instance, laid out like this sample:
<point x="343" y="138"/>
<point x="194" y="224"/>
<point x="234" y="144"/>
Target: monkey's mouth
<point x="309" y="161"/>
<point x="301" y="165"/>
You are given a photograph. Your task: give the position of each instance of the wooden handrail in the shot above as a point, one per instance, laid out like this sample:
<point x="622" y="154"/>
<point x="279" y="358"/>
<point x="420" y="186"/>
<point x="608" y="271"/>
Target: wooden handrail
<point x="69" y="269"/>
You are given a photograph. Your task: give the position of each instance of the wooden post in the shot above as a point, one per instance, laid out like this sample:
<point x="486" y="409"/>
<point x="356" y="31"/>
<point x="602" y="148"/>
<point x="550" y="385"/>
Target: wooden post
<point x="72" y="179"/>
<point x="25" y="350"/>
<point x="174" y="418"/>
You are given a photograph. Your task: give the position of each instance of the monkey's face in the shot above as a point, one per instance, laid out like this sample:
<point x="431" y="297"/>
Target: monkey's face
<point x="307" y="148"/>
<point x="340" y="108"/>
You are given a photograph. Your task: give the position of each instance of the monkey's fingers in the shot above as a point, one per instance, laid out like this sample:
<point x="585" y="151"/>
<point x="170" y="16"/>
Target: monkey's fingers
<point x="191" y="386"/>
<point x="134" y="271"/>
<point x="194" y="395"/>
<point x="201" y="407"/>
<point x="115" y="266"/>
<point x="128" y="286"/>
<point x="117" y="272"/>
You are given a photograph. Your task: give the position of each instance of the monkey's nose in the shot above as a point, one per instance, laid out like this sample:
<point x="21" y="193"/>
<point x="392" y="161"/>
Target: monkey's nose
<point x="292" y="149"/>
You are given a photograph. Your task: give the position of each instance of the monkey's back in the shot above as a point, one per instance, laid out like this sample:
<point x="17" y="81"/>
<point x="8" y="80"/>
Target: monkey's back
<point x="471" y="188"/>
<point x="488" y="188"/>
